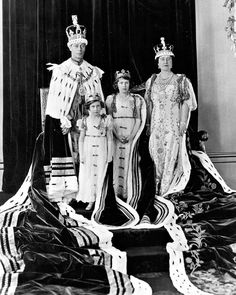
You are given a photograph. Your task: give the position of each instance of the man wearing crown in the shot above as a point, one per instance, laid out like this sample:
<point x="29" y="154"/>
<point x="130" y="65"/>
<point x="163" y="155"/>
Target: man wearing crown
<point x="72" y="81"/>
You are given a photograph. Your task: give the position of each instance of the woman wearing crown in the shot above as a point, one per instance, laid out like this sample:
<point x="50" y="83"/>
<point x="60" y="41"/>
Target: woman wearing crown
<point x="170" y="99"/>
<point x="129" y="115"/>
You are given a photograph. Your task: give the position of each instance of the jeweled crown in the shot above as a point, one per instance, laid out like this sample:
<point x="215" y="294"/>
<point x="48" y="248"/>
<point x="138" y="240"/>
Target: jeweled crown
<point x="163" y="49"/>
<point x="122" y="74"/>
<point x="92" y="98"/>
<point x="76" y="33"/>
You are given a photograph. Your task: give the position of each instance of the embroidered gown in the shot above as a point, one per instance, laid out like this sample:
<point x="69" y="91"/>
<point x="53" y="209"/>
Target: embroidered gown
<point x="165" y="143"/>
<point x="126" y="170"/>
<point x="92" y="172"/>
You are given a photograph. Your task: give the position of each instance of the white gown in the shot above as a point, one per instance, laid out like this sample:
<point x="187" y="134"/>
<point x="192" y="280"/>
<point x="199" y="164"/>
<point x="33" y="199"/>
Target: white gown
<point x="92" y="171"/>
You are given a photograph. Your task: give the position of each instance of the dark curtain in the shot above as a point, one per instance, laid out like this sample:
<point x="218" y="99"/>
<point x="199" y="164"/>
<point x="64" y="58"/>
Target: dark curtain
<point x="21" y="112"/>
<point x="121" y="34"/>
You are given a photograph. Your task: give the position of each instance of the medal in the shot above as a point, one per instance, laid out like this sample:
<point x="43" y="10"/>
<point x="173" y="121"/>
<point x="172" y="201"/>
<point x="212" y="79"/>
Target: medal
<point x="82" y="90"/>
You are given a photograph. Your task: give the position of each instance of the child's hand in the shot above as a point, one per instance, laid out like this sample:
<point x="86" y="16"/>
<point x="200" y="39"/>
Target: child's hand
<point x="76" y="157"/>
<point x="82" y="160"/>
<point x="128" y="138"/>
<point x="109" y="159"/>
<point x="124" y="139"/>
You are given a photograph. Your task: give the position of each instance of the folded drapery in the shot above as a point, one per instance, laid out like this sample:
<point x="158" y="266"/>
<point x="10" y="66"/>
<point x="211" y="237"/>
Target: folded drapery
<point x="43" y="251"/>
<point x="48" y="247"/>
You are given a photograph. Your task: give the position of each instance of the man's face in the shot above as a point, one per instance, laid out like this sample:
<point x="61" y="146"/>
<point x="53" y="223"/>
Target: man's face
<point x="77" y="51"/>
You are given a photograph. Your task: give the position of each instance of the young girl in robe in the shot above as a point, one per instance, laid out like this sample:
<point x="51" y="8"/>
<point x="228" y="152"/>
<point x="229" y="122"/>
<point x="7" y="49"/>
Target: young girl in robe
<point x="95" y="148"/>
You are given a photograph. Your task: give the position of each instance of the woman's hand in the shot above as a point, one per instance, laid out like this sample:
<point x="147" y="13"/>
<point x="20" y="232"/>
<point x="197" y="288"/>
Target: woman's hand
<point x="182" y="128"/>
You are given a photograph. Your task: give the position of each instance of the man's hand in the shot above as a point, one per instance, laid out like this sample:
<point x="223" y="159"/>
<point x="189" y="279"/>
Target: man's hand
<point x="65" y="130"/>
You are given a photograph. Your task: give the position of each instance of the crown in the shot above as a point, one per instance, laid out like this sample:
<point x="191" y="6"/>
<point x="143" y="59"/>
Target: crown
<point x="122" y="74"/>
<point x="163" y="49"/>
<point x="76" y="33"/>
<point x="92" y="98"/>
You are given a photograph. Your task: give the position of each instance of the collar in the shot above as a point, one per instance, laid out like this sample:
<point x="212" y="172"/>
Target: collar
<point x="78" y="63"/>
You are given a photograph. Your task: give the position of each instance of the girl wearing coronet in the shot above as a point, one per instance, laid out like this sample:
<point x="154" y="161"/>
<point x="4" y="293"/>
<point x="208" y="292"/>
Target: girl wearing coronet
<point x="95" y="147"/>
<point x="128" y="111"/>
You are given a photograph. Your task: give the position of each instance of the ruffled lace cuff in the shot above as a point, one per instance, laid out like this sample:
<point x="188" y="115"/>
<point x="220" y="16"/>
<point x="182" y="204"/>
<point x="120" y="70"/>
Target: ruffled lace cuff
<point x="65" y="122"/>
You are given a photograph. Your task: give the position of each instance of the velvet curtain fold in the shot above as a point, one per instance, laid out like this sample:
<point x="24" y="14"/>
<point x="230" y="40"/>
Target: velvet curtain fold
<point x="120" y="33"/>
<point x="20" y="106"/>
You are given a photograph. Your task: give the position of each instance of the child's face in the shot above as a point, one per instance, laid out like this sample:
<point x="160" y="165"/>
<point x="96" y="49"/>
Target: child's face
<point x="123" y="85"/>
<point x="95" y="108"/>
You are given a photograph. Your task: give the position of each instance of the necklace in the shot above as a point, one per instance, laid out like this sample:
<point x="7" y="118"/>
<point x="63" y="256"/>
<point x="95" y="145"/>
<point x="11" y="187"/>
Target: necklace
<point x="164" y="82"/>
<point x="97" y="122"/>
<point x="127" y="101"/>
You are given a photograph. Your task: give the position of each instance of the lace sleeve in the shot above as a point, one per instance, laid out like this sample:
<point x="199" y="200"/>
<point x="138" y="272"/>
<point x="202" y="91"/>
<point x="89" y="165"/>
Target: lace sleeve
<point x="81" y="124"/>
<point x="186" y="92"/>
<point x="109" y="122"/>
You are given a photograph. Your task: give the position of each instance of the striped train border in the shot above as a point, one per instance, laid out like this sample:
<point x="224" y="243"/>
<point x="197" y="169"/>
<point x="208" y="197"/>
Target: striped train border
<point x="175" y="249"/>
<point x="11" y="262"/>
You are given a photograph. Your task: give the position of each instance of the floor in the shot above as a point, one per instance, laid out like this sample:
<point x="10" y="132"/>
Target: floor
<point x="160" y="283"/>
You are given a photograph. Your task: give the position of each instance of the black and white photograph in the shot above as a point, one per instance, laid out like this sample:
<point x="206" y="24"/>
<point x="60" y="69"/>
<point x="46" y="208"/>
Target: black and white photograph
<point x="117" y="147"/>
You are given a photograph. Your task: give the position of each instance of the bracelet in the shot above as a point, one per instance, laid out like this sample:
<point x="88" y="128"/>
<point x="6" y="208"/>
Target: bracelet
<point x="182" y="122"/>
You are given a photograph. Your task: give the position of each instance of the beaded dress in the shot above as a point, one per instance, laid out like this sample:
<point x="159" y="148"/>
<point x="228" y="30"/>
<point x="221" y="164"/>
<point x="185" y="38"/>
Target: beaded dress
<point x="165" y="142"/>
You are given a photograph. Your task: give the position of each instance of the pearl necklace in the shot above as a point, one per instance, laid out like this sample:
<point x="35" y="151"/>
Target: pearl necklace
<point x="164" y="82"/>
